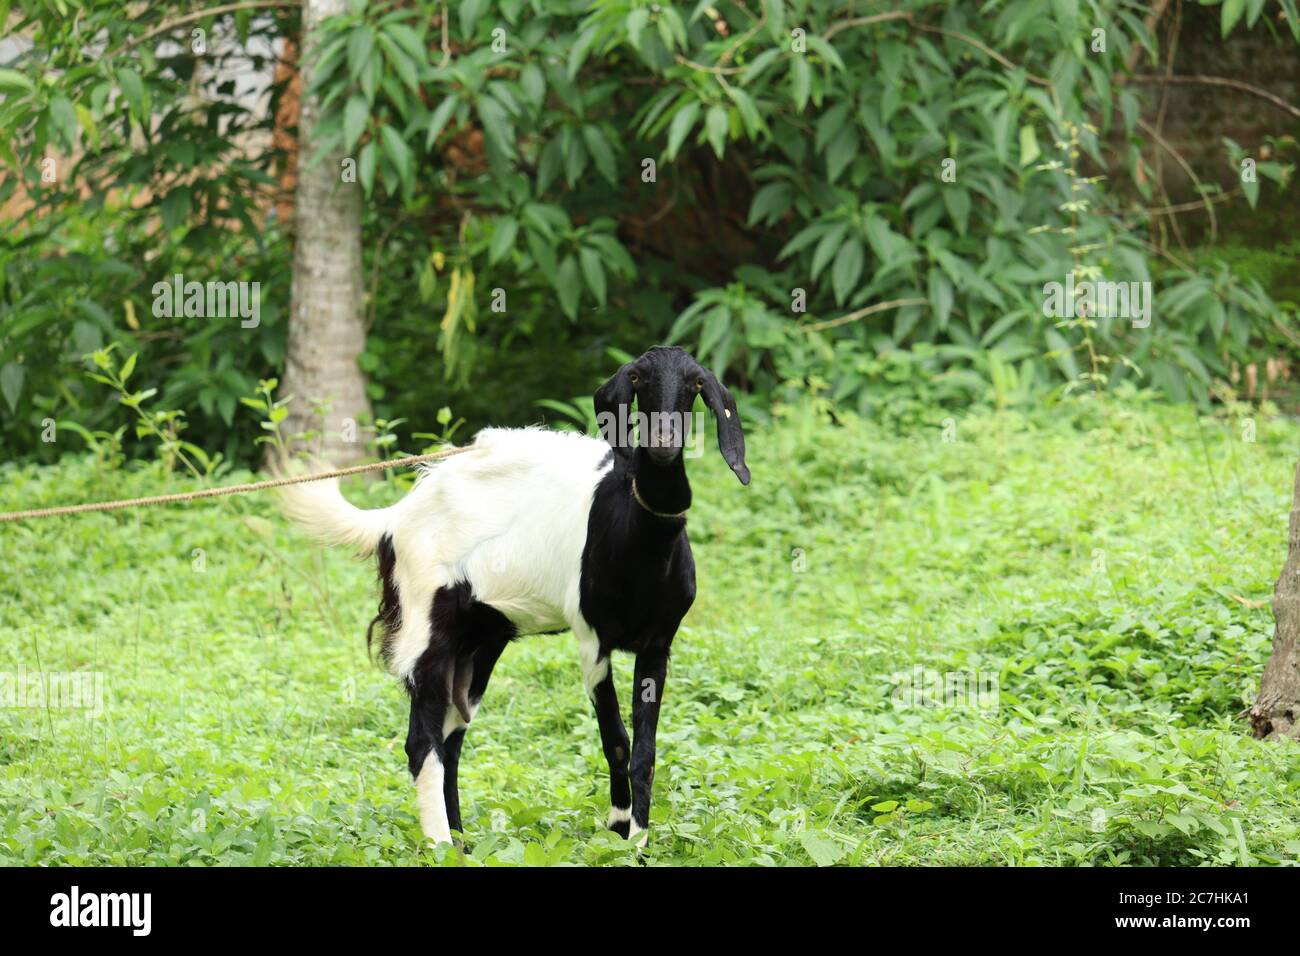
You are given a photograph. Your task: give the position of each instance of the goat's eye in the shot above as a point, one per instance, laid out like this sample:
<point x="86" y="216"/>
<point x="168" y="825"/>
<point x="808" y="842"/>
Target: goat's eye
<point x="634" y="378"/>
<point x="699" y="384"/>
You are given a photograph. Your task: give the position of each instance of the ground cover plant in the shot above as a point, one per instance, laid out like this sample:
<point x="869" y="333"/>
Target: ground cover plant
<point x="1108" y="560"/>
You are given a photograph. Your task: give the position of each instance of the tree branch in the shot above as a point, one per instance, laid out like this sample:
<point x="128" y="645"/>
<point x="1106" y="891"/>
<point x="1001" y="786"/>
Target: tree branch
<point x="1191" y="173"/>
<point x="1198" y="79"/>
<point x="862" y="314"/>
<point x="203" y="14"/>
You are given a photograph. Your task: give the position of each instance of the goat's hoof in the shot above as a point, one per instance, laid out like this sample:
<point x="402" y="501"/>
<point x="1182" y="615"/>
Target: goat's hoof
<point x="636" y="834"/>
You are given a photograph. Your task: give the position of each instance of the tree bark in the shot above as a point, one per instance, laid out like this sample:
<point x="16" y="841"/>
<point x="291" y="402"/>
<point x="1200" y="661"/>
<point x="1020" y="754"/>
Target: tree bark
<point x="1276" y="712"/>
<point x="284" y="140"/>
<point x="326" y="331"/>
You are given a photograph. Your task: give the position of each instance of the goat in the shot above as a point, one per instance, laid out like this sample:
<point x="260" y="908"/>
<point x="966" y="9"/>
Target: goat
<point x="534" y="532"/>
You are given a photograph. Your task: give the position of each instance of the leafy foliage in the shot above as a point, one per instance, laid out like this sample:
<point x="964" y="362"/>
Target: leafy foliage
<point x="812" y="199"/>
<point x="1108" y="562"/>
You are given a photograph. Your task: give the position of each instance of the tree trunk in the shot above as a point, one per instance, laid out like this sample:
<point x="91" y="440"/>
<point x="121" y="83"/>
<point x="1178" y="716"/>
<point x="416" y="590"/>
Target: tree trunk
<point x="284" y="140"/>
<point x="1276" y="712"/>
<point x="326" y="333"/>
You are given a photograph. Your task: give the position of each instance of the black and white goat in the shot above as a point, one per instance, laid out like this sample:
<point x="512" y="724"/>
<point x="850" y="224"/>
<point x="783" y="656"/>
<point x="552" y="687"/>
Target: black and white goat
<point x="535" y="532"/>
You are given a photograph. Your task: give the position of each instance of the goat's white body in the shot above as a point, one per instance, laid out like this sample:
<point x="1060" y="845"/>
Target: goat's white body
<point x="509" y="517"/>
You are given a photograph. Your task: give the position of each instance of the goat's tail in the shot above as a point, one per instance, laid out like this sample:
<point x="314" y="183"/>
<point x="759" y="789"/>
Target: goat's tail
<point x="320" y="509"/>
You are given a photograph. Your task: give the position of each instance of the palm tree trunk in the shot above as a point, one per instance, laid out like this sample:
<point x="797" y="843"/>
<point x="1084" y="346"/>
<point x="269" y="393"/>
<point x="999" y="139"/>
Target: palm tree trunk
<point x="326" y="333"/>
<point x="1276" y="712"/>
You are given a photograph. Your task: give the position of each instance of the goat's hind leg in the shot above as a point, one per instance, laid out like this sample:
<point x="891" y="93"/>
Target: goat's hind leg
<point x="426" y="745"/>
<point x="469" y="682"/>
<point x="466" y="637"/>
<point x="431" y="684"/>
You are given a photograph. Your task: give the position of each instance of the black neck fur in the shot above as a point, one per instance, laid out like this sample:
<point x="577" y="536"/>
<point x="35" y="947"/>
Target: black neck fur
<point x="663" y="488"/>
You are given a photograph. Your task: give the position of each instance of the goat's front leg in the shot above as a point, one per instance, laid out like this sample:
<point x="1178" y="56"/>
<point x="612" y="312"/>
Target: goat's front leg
<point x="651" y="671"/>
<point x="598" y="677"/>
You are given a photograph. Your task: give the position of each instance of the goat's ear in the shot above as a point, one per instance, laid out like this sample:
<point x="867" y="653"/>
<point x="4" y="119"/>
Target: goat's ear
<point x="608" y="399"/>
<point x="731" y="440"/>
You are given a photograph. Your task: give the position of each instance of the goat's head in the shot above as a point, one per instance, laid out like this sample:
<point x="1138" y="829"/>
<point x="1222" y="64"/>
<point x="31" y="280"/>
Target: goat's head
<point x="664" y="382"/>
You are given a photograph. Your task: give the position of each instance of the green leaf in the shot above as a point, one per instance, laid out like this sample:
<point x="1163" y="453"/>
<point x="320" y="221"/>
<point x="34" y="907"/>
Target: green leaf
<point x="775" y="12"/>
<point x="770" y="203"/>
<point x="133" y="89"/>
<point x="366" y="167"/>
<point x="568" y="287"/>
<point x="823" y="850"/>
<point x="438" y="119"/>
<point x="496" y="125"/>
<point x="1229" y="14"/>
<point x="470" y="12"/>
<point x="543" y="253"/>
<point x="503" y="237"/>
<point x="175" y="207"/>
<point x="1002" y="133"/>
<point x="1028" y="145"/>
<point x="1251" y="189"/>
<point x="599" y="149"/>
<point x="800" y="81"/>
<point x="361" y="43"/>
<point x="759" y="64"/>
<point x="64" y="119"/>
<point x="847" y="269"/>
<point x="533" y="83"/>
<point x="11" y="383"/>
<point x="409" y="41"/>
<point x="399" y="154"/>
<point x="400" y="62"/>
<point x="842" y="151"/>
<point x="826" y="248"/>
<point x="593" y="271"/>
<point x="957" y="200"/>
<point x="549" y="166"/>
<point x="940" y="297"/>
<point x="12" y="80"/>
<point x="636" y="22"/>
<point x="681" y="125"/>
<point x="715" y="129"/>
<point x="825" y="51"/>
<point x="355" y="115"/>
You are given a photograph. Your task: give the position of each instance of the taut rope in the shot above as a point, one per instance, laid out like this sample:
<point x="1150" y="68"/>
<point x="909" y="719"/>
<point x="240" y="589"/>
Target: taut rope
<point x="227" y="490"/>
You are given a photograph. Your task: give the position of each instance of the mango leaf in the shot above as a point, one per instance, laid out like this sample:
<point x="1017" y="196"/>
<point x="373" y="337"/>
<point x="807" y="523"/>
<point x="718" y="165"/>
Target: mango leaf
<point x="399" y="154"/>
<point x="355" y="115"/>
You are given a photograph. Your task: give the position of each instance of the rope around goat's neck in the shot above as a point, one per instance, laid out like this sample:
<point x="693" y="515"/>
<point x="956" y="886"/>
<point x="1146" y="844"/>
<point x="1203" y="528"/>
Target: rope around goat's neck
<point x="228" y="489"/>
<point x="658" y="514"/>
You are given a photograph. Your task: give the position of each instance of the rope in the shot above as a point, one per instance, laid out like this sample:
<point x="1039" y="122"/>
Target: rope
<point x="227" y="490"/>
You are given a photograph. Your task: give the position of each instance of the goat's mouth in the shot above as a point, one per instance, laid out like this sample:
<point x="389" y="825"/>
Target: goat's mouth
<point x="663" y="454"/>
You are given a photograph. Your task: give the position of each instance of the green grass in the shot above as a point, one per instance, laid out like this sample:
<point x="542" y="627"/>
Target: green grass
<point x="1109" y="562"/>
